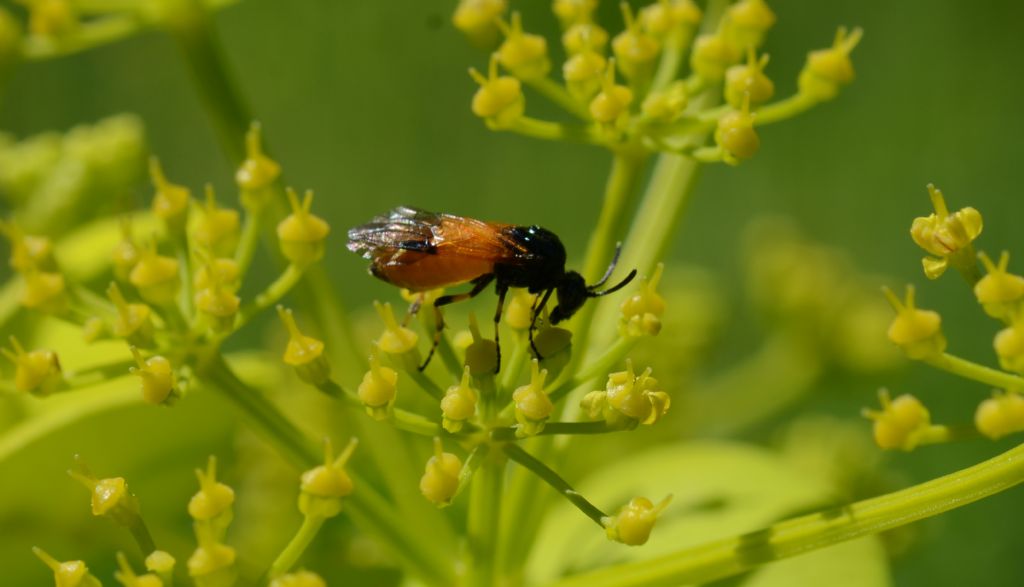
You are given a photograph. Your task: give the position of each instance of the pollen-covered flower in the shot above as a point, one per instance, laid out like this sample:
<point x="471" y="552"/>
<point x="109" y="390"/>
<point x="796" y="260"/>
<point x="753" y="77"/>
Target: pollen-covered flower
<point x="642" y="311"/>
<point x="524" y="55"/>
<point x="499" y="101"/>
<point x="635" y="50"/>
<point x="378" y="388"/>
<point x="458" y="403"/>
<point x="628" y="399"/>
<point x="170" y="202"/>
<point x="999" y="292"/>
<point x="1001" y="414"/>
<point x="917" y="332"/>
<point x="109" y="497"/>
<point x="829" y="69"/>
<point x="440" y="480"/>
<point x="533" y="407"/>
<point x="302" y="234"/>
<point x="633" y="524"/>
<point x="67" y="573"/>
<point x="37" y="372"/>
<point x="304" y="353"/>
<point x="323" y="486"/>
<point x="158" y="382"/>
<point x="901" y="424"/>
<point x="946" y="235"/>
<point x="748" y="80"/>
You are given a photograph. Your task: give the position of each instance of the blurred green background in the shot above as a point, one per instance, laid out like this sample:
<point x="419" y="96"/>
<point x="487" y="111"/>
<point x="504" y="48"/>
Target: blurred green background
<point x="367" y="103"/>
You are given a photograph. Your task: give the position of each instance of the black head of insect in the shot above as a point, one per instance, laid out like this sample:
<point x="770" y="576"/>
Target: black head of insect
<point x="572" y="291"/>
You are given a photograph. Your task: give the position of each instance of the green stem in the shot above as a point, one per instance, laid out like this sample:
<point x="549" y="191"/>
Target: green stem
<point x="554" y="131"/>
<point x="139" y="531"/>
<point x="98" y="374"/>
<point x="402" y="419"/>
<point x="671" y="59"/>
<point x="732" y="556"/>
<point x="972" y="370"/>
<point x="97" y="32"/>
<point x="783" y="109"/>
<point x="553" y="428"/>
<point x="298" y="544"/>
<point x="249" y="239"/>
<point x="513" y="366"/>
<point x="483" y="519"/>
<point x="271" y="295"/>
<point x="554" y="480"/>
<point x="560" y="96"/>
<point x="430" y="560"/>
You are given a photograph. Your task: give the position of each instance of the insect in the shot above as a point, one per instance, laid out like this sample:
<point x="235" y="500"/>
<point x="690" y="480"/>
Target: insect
<point x="421" y="250"/>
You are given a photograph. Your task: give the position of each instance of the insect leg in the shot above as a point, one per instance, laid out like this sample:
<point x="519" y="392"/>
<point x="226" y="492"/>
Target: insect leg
<point x="479" y="284"/>
<point x="502" y="290"/>
<point x="414" y="308"/>
<point x="533" y="321"/>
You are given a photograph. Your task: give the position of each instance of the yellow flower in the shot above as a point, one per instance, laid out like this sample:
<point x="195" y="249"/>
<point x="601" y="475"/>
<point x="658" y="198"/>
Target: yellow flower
<point x="917" y="332"/>
<point x="170" y="202"/>
<point x="302" y="234"/>
<point x="214" y="499"/>
<point x="999" y="292"/>
<point x="1001" y="414"/>
<point x="748" y="80"/>
<point x="257" y="171"/>
<point x="499" y="101"/>
<point x="635" y="50"/>
<point x="633" y="524"/>
<point x="323" y="486"/>
<point x="642" y="311"/>
<point x="611" y="105"/>
<point x="67" y="573"/>
<point x="157" y="377"/>
<point x="378" y="388"/>
<point x="523" y="54"/>
<point x="736" y="135"/>
<point x="304" y="353"/>
<point x="37" y="372"/>
<point x="827" y="70"/>
<point x="477" y="19"/>
<point x="712" y="54"/>
<point x="217" y="229"/>
<point x="458" y="403"/>
<point x="901" y="424"/>
<point x="532" y="405"/>
<point x="947" y="236"/>
<point x="440" y="480"/>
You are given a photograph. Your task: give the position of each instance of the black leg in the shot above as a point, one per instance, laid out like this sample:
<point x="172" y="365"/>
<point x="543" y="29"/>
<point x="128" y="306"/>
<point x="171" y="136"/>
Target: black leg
<point x="533" y="321"/>
<point x="479" y="284"/>
<point x="502" y="290"/>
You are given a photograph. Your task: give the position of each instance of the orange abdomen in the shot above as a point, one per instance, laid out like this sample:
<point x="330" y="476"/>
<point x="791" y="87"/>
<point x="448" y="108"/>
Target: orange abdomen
<point x="429" y="271"/>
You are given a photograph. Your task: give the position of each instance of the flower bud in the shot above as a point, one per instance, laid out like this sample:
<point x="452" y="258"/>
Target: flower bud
<point x="396" y="339"/>
<point x="667" y="105"/>
<point x="746" y="22"/>
<point x="667" y="17"/>
<point x="28" y="252"/>
<point x="156" y="277"/>
<point x="52" y="18"/>
<point x="304" y="353"/>
<point x="481" y="353"/>
<point x="213" y="502"/>
<point x="584" y="36"/>
<point x="109" y="497"/>
<point x="133" y="322"/>
<point x="126" y="252"/>
<point x="945" y="235"/>
<point x="827" y="70"/>
<point x="999" y="292"/>
<point x="635" y="51"/>
<point x="212" y="563"/>
<point x="440" y="480"/>
<point x="67" y="573"/>
<point x="1001" y="414"/>
<point x="633" y="524"/>
<point x="712" y="54"/>
<point x="1009" y="346"/>
<point x="127" y="577"/>
<point x="378" y="388"/>
<point x="628" y="399"/>
<point x="302" y="234"/>
<point x="217" y="303"/>
<point x="217" y="229"/>
<point x="161" y="563"/>
<point x="642" y="311"/>
<point x="323" y="486"/>
<point x="499" y="101"/>
<point x="157" y="378"/>
<point x="37" y="372"/>
<point x="519" y="310"/>
<point x="523" y="54"/>
<point x="532" y="406"/>
<point x="301" y="578"/>
<point x="748" y="79"/>
<point x="902" y="422"/>
<point x="477" y="19"/>
<point x="917" y="332"/>
<point x="45" y="291"/>
<point x="458" y="404"/>
<point x="257" y="171"/>
<point x="555" y="347"/>
<point x="570" y="12"/>
<point x="222" y="271"/>
<point x="611" y="105"/>
<point x="170" y="202"/>
<point x="736" y="135"/>
<point x="583" y="73"/>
